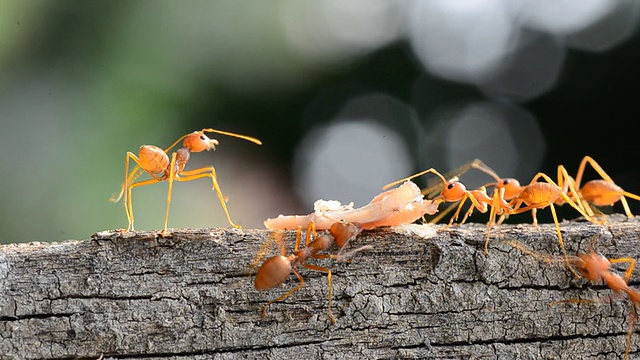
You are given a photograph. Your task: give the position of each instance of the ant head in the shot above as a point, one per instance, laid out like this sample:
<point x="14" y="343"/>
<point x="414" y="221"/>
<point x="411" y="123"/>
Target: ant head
<point x="197" y="141"/>
<point x="592" y="266"/>
<point x="273" y="272"/>
<point x="453" y="191"/>
<point x="343" y="232"/>
<point x="511" y="187"/>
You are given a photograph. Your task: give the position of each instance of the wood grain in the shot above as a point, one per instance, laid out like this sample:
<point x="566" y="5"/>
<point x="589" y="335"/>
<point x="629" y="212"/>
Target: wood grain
<point x="139" y="295"/>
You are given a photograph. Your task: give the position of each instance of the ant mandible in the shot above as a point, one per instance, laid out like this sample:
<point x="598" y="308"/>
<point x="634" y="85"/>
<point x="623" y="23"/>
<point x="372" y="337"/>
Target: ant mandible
<point x="155" y="162"/>
<point x="275" y="270"/>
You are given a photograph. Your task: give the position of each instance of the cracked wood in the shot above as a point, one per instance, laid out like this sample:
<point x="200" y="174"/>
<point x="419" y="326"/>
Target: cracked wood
<point x="138" y="295"/>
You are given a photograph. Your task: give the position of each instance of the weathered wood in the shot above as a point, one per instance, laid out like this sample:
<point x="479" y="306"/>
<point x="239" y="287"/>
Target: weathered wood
<point x="138" y="295"/>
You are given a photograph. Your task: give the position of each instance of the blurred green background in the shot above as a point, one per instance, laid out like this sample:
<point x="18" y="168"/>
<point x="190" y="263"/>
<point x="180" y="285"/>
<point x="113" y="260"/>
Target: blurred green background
<point x="345" y="95"/>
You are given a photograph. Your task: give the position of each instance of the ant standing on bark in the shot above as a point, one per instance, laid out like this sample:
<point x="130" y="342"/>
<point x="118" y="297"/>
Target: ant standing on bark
<point x="155" y="162"/>
<point x="601" y="192"/>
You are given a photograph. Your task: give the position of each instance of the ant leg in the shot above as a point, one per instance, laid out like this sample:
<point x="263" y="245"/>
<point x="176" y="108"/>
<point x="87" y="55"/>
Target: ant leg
<point x="466" y="215"/>
<point x="326" y="270"/>
<point x="130" y="201"/>
<point x="475" y="205"/>
<point x="571" y="188"/>
<point x="502" y="218"/>
<point x="564" y="251"/>
<point x="567" y="184"/>
<point x="595" y="166"/>
<point x="125" y="189"/>
<point x="289" y="293"/>
<point x="172" y="176"/>
<point x="625" y="205"/>
<point x="539" y="256"/>
<point x="557" y="225"/>
<point x="129" y="178"/>
<point x="209" y="172"/>
<point x="577" y="301"/>
<point x="629" y="271"/>
<point x="457" y="213"/>
<point x="507" y="209"/>
<point x="298" y="239"/>
<point x="310" y="229"/>
<point x="492" y="216"/>
<point x="128" y="185"/>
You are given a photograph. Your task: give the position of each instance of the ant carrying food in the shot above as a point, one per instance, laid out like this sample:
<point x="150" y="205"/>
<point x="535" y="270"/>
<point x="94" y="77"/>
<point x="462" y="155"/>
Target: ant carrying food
<point x="454" y="191"/>
<point x="155" y="162"/>
<point x="275" y="270"/>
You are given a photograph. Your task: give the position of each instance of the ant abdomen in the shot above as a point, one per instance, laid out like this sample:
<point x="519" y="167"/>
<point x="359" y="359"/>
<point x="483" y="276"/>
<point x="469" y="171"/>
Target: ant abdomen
<point x="273" y="272"/>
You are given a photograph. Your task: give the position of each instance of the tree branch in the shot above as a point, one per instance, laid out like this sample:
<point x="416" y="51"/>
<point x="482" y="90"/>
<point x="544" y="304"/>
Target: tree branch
<point x="138" y="295"/>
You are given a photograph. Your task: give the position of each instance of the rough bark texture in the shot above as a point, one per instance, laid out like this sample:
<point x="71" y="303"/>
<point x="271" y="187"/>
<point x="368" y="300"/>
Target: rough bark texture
<point x="138" y="295"/>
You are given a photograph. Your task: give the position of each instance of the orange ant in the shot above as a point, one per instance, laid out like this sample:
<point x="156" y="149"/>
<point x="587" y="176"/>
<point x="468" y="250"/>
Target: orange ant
<point x="596" y="268"/>
<point x="602" y="192"/>
<point x="155" y="162"/>
<point x="510" y="188"/>
<point x="539" y="195"/>
<point x="275" y="270"/>
<point x="454" y="191"/>
<point x="536" y="195"/>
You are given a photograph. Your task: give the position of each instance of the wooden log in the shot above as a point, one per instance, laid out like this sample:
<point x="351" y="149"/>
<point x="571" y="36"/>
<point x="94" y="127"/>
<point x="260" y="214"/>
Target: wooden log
<point x="139" y="295"/>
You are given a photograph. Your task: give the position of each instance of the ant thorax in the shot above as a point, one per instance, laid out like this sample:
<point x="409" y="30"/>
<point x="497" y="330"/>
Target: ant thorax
<point x="182" y="158"/>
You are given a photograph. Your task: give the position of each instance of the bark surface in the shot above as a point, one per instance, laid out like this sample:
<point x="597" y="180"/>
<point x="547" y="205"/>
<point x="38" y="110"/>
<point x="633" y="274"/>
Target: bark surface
<point x="143" y="296"/>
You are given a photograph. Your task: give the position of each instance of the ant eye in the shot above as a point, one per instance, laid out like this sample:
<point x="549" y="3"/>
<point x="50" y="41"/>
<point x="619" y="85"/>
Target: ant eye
<point x="202" y="137"/>
<point x="505" y="182"/>
<point x="450" y="186"/>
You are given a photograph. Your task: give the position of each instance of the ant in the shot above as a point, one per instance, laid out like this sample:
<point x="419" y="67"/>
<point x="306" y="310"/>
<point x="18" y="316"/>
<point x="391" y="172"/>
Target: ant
<point x="275" y="270"/>
<point x="539" y="195"/>
<point x="454" y="191"/>
<point x="536" y="195"/>
<point x="602" y="192"/>
<point x="596" y="268"/>
<point x="155" y="162"/>
<point x="509" y="188"/>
